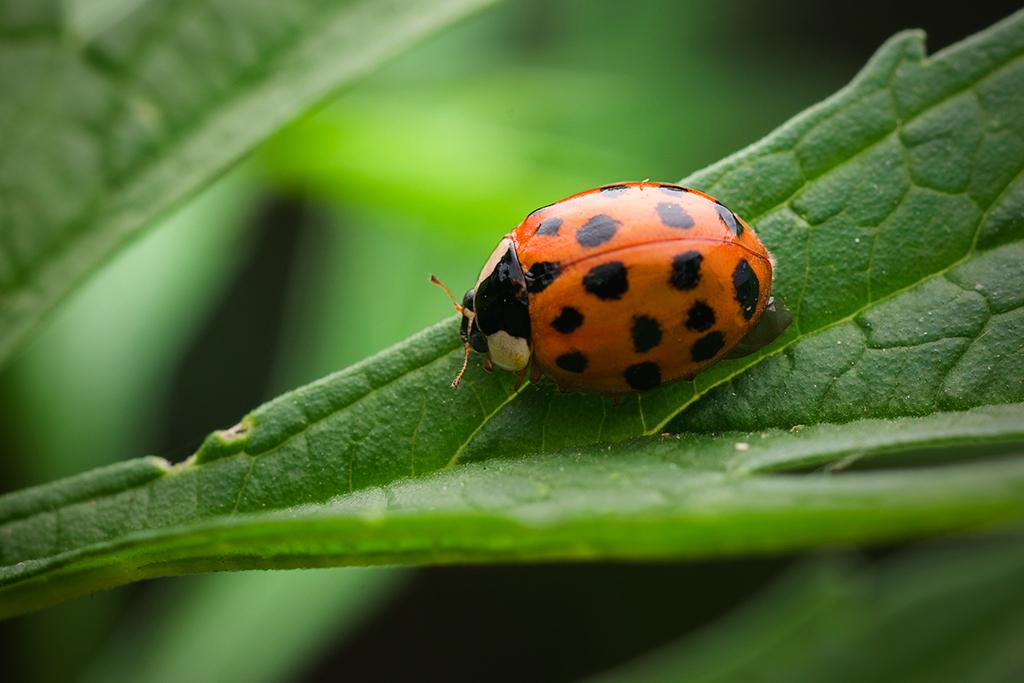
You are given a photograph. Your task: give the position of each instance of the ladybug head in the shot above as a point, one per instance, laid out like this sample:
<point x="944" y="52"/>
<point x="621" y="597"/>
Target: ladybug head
<point x="496" y="313"/>
<point x="469" y="330"/>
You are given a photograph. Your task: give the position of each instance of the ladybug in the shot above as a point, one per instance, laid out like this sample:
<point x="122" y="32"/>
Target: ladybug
<point x="621" y="289"/>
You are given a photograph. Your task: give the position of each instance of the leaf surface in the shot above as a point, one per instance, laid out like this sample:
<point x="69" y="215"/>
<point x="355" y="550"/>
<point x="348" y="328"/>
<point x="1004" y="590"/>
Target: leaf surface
<point x="674" y="496"/>
<point x="894" y="212"/>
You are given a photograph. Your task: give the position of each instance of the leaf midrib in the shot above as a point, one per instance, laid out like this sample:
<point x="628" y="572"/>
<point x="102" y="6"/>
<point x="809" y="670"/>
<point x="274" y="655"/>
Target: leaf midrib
<point x="239" y="523"/>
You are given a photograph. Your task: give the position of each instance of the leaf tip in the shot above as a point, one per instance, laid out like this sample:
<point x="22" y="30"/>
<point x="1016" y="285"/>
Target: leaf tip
<point x="905" y="46"/>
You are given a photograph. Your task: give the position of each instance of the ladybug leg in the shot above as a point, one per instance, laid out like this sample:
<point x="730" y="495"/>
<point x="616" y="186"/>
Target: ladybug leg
<point x="533" y="369"/>
<point x="465" y="362"/>
<point x="488" y="365"/>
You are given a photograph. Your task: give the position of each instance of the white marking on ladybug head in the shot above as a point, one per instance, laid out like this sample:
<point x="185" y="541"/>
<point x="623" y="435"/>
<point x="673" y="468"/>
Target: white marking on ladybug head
<point x="508" y="352"/>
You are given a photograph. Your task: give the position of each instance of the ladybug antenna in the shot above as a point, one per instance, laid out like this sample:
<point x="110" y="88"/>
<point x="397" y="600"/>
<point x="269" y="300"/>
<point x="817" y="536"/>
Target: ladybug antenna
<point x="458" y="308"/>
<point x="465" y="362"/>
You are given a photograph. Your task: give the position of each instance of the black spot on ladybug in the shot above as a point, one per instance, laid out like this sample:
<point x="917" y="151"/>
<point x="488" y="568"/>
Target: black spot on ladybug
<point x="646" y="333"/>
<point x="686" y="270"/>
<point x="607" y="281"/>
<point x="614" y="190"/>
<point x="542" y="274"/>
<point x="729" y="219"/>
<point x="707" y="346"/>
<point x="568" y="320"/>
<point x="549" y="226"/>
<point x="598" y="230"/>
<point x="744" y="282"/>
<point x="646" y="375"/>
<point x="574" y="361"/>
<point x="674" y="215"/>
<point x="700" y="317"/>
<point x="673" y="189"/>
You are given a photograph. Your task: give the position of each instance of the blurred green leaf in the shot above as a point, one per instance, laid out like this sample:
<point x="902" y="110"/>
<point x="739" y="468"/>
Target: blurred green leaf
<point x="109" y="134"/>
<point x="893" y="211"/>
<point x="529" y="116"/>
<point x="87" y="390"/>
<point x="204" y="614"/>
<point x="953" y="613"/>
<point x="120" y="352"/>
<point x="347" y="152"/>
<point x="355" y="279"/>
<point x="231" y="626"/>
<point x="88" y="18"/>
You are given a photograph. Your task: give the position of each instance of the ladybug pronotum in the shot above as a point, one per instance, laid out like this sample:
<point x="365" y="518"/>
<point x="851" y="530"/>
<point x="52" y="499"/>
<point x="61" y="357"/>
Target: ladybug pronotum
<point x="622" y="288"/>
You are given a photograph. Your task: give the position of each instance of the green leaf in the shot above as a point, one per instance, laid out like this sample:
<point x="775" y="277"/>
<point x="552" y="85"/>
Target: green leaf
<point x="159" y="306"/>
<point x="946" y="613"/>
<point x="677" y="496"/>
<point x="112" y="130"/>
<point x="230" y="626"/>
<point x="900" y="265"/>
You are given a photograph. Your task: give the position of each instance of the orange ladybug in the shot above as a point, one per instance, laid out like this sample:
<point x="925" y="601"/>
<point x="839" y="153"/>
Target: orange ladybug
<point x="622" y="288"/>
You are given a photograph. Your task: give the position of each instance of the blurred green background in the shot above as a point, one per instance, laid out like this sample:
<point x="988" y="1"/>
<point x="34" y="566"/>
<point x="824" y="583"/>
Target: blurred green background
<point x="315" y="252"/>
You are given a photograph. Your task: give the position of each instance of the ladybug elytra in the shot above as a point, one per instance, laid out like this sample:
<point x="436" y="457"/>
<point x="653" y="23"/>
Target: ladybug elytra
<point x="622" y="288"/>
